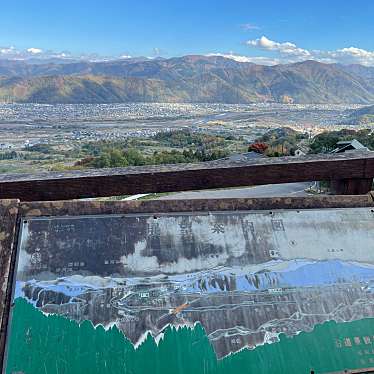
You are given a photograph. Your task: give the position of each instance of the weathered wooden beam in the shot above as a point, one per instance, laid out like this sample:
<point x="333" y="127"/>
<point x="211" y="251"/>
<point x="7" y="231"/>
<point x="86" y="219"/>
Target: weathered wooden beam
<point x="351" y="186"/>
<point x="83" y="207"/>
<point x="184" y="177"/>
<point x="8" y="221"/>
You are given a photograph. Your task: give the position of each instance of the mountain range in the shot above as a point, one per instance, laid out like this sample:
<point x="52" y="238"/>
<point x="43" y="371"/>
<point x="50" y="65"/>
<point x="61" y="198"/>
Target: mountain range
<point x="208" y="79"/>
<point x="362" y="116"/>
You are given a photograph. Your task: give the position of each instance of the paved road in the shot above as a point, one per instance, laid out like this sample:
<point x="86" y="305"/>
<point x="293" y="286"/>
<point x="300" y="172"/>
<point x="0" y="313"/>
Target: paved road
<point x="270" y="190"/>
<point x="136" y="197"/>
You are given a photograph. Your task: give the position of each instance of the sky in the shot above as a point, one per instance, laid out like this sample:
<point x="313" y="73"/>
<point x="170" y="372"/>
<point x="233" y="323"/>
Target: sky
<point x="267" y="32"/>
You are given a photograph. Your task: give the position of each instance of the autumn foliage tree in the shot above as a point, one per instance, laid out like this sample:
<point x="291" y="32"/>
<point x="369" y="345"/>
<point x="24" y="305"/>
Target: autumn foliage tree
<point x="258" y="147"/>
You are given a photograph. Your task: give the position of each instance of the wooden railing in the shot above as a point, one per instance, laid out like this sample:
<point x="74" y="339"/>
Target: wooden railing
<point x="349" y="173"/>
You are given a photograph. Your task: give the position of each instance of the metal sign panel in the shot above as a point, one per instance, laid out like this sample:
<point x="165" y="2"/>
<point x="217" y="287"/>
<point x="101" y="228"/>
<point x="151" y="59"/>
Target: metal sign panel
<point x="221" y="292"/>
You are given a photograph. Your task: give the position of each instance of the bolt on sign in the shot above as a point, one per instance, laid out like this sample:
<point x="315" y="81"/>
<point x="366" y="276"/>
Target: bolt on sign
<point x="218" y="291"/>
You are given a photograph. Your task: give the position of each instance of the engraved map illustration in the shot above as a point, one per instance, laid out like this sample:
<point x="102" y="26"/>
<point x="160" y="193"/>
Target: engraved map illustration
<point x="245" y="277"/>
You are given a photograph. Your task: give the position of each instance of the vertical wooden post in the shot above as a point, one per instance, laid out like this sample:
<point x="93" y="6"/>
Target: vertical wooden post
<point x="354" y="186"/>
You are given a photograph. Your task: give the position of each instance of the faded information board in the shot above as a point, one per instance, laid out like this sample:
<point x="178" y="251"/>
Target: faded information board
<point x="221" y="292"/>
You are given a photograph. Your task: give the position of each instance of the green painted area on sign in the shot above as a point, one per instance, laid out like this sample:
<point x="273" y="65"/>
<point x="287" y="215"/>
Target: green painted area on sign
<point x="56" y="345"/>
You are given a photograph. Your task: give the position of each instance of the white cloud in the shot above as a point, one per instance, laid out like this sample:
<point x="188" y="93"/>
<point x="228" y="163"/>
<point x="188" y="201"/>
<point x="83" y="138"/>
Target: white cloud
<point x="286" y="48"/>
<point x="158" y="52"/>
<point x="7" y="50"/>
<point x="288" y="52"/>
<point x="352" y="55"/>
<point x="249" y="27"/>
<point x="34" y="51"/>
<point x="271" y="52"/>
<point x="239" y="58"/>
<point x="12" y="53"/>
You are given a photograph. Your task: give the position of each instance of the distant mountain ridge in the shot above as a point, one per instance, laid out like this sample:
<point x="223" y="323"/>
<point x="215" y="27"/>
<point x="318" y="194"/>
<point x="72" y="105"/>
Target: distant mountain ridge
<point x="210" y="79"/>
<point x="362" y="116"/>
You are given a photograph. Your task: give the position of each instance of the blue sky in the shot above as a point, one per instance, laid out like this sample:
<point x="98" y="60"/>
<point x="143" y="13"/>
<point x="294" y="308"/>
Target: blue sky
<point x="271" y="31"/>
